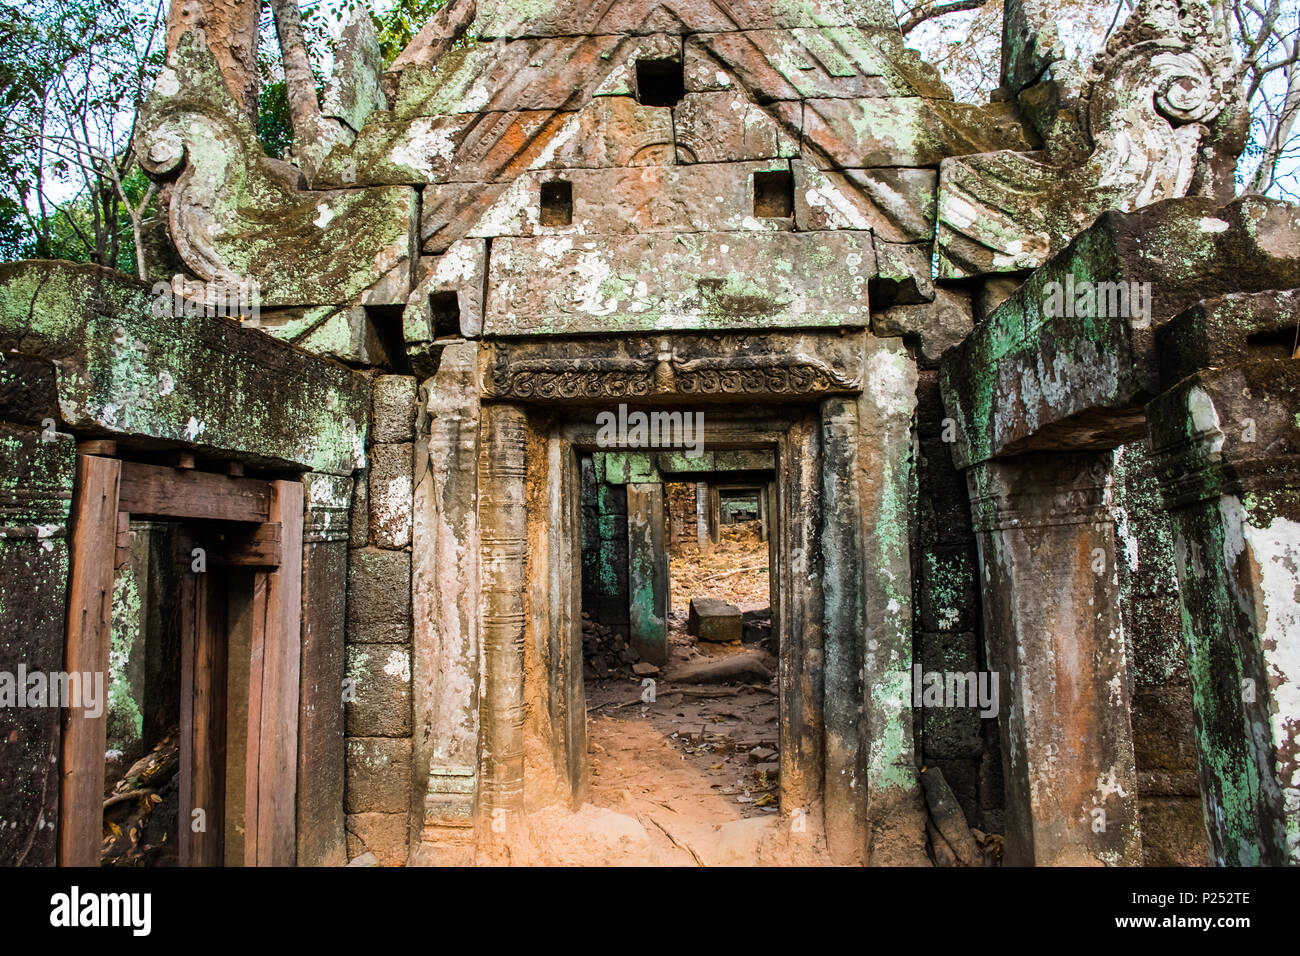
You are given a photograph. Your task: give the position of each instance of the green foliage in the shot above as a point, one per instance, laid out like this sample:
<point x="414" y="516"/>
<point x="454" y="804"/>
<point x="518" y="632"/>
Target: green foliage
<point x="274" y="125"/>
<point x="73" y="74"/>
<point x="398" y="26"/>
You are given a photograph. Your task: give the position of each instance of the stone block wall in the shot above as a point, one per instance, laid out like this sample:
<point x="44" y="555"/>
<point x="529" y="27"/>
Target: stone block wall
<point x="1164" y="744"/>
<point x="604" y="548"/>
<point x="947" y="629"/>
<point x="36" y="494"/>
<point x="378" y="673"/>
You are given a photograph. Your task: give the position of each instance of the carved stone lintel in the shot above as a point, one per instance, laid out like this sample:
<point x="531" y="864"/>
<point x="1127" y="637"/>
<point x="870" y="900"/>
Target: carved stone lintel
<point x="780" y="365"/>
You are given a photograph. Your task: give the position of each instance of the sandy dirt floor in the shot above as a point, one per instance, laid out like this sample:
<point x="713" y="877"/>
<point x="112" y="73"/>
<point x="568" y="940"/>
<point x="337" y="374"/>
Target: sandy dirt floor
<point x="692" y="777"/>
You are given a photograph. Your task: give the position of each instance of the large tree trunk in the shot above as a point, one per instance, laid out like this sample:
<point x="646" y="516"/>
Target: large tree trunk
<point x="230" y="27"/>
<point x="304" y="110"/>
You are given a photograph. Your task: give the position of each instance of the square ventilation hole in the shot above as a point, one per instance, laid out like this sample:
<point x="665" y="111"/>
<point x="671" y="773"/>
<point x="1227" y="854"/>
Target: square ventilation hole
<point x="557" y="203"/>
<point x="445" y="307"/>
<point x="774" y="195"/>
<point x="660" y="82"/>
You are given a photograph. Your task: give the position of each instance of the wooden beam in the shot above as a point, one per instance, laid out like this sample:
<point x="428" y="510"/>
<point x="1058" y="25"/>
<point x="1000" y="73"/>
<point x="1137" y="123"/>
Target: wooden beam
<point x="247" y="547"/>
<point x="101" y="448"/>
<point x="155" y="491"/>
<point x="90" y="600"/>
<point x="281" y="648"/>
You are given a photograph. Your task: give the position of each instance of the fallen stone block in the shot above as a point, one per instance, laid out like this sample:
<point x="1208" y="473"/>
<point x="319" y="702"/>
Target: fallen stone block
<point x="714" y="620"/>
<point x="947" y="817"/>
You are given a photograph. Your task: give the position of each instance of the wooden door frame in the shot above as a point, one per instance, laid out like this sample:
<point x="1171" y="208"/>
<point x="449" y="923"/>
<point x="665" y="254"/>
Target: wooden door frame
<point x="267" y="539"/>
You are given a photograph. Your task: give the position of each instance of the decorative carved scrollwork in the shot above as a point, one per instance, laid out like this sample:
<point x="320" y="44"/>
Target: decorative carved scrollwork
<point x="1159" y="116"/>
<point x="732" y="365"/>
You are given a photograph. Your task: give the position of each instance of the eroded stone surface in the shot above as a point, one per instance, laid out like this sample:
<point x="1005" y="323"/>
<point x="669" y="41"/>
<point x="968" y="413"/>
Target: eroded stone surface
<point x="791" y="241"/>
<point x="574" y="285"/>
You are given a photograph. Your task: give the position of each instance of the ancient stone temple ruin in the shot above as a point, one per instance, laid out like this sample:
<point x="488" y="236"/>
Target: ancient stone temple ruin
<point x="1011" y="389"/>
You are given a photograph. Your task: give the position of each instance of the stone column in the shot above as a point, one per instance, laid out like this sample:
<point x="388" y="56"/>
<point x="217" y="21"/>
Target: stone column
<point x="647" y="570"/>
<point x="557" y="608"/>
<point x="1227" y="448"/>
<point x="885" y="483"/>
<point x="320" y="699"/>
<point x="799" y="578"/>
<point x="446" y="593"/>
<point x="35" y="499"/>
<point x="702" y="516"/>
<point x="1046" y="538"/>
<point x="844" y="787"/>
<point x="503" y="515"/>
<point x="715" y="515"/>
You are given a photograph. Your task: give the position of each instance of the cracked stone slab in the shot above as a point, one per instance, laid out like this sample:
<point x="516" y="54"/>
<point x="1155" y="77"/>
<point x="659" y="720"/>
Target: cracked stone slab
<point x="570" y="285"/>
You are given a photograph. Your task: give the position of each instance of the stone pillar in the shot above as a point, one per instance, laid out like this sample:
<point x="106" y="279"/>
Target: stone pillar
<point x="647" y="572"/>
<point x="702" y="516"/>
<point x="320" y="699"/>
<point x="715" y="515"/>
<point x="446" y="591"/>
<point x="556" y="606"/>
<point x="1045" y="531"/>
<point x="1227" y="448"/>
<point x="503" y="514"/>
<point x="35" y="500"/>
<point x="762" y="513"/>
<point x="885" y="481"/>
<point x="800" y="674"/>
<point x="844" y="787"/>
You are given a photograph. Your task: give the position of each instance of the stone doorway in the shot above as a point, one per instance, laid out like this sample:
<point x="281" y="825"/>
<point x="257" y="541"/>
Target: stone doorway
<point x="679" y="652"/>
<point x="502" y="698"/>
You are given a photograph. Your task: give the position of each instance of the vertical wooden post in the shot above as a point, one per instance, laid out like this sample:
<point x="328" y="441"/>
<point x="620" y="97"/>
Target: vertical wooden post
<point x="253" y="737"/>
<point x="90" y="600"/>
<point x="203" y="708"/>
<point x="280" y="642"/>
<point x="189" y="586"/>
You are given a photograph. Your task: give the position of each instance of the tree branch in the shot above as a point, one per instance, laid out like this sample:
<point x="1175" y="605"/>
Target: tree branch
<point x="923" y="14"/>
